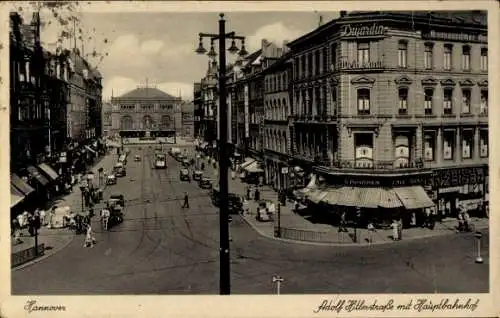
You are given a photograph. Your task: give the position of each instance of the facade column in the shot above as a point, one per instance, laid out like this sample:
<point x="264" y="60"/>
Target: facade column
<point x="458" y="148"/>
<point x="476" y="143"/>
<point x="439" y="146"/>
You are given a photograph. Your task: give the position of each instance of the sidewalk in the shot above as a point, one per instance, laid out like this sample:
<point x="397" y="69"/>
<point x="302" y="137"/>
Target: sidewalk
<point x="297" y="228"/>
<point x="56" y="239"/>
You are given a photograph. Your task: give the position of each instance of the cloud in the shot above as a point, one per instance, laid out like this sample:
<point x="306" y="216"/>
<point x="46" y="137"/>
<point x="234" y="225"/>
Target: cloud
<point x="276" y="33"/>
<point x="119" y="85"/>
<point x="152" y="46"/>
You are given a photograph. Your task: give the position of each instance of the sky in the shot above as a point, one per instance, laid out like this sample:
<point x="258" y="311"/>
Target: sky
<point x="158" y="47"/>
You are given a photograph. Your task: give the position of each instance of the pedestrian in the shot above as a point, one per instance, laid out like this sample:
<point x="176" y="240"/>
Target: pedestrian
<point x="51" y="217"/>
<point x="89" y="237"/>
<point x="467" y="223"/>
<point x="248" y="193"/>
<point x="105" y="214"/>
<point x="460" y="219"/>
<point x="400" y="229"/>
<point x="371" y="230"/>
<point x="296" y="205"/>
<point x="233" y="175"/>
<point x="395" y="230"/>
<point x="186" y="201"/>
<point x="257" y="194"/>
<point x="343" y="222"/>
<point x="245" y="206"/>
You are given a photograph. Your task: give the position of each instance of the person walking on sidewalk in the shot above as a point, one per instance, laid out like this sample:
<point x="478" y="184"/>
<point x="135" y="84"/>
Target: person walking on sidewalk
<point x="186" y="201"/>
<point x="89" y="237"/>
<point x="371" y="230"/>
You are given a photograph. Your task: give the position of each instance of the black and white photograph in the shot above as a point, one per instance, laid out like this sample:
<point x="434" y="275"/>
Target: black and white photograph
<point x="214" y="151"/>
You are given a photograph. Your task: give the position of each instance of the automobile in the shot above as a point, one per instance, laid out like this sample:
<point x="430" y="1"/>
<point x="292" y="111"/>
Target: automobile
<point x="158" y="148"/>
<point x="234" y="202"/>
<point x="120" y="172"/>
<point x="186" y="162"/>
<point x="197" y="175"/>
<point x="160" y="162"/>
<point x="137" y="158"/>
<point x="120" y="199"/>
<point x="111" y="179"/>
<point x="180" y="157"/>
<point x="184" y="175"/>
<point x="263" y="216"/>
<point x="205" y="183"/>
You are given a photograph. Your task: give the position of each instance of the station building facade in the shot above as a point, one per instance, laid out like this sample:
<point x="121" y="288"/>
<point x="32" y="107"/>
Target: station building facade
<point x="395" y="101"/>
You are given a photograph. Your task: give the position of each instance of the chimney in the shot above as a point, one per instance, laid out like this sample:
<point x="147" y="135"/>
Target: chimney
<point x="343" y="14"/>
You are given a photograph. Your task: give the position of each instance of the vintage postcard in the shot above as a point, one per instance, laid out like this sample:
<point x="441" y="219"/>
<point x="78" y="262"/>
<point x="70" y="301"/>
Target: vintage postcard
<point x="303" y="158"/>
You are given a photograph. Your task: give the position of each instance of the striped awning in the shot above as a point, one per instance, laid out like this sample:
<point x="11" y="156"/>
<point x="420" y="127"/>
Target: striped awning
<point x="371" y="198"/>
<point x="20" y="184"/>
<point x="414" y="197"/>
<point x="316" y="195"/>
<point x="49" y="171"/>
<point x="37" y="175"/>
<point x="253" y="168"/>
<point x="248" y="161"/>
<point x="15" y="196"/>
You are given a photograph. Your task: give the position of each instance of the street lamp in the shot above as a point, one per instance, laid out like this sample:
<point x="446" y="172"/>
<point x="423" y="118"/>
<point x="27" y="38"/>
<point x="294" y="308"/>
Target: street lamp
<point x="278" y="280"/>
<point x="225" y="283"/>
<point x="478" y="236"/>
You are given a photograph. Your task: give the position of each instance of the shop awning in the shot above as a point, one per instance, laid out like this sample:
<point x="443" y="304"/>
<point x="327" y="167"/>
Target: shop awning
<point x="247" y="162"/>
<point x="15" y="196"/>
<point x="90" y="149"/>
<point x="36" y="174"/>
<point x="20" y="184"/>
<point x="371" y="198"/>
<point x="316" y="195"/>
<point x="49" y="171"/>
<point x="414" y="197"/>
<point x="253" y="168"/>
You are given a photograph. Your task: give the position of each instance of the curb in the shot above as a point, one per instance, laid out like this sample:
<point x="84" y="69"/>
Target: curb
<point x="44" y="257"/>
<point x="436" y="234"/>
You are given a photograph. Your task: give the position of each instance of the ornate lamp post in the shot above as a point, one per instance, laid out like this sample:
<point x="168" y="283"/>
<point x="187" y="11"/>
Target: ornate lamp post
<point x="225" y="284"/>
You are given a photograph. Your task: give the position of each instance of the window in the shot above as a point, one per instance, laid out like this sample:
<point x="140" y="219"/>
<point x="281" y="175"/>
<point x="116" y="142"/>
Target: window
<point x="447" y="101"/>
<point x="484" y="103"/>
<point x="303" y="64"/>
<point x="334" y="100"/>
<point x="402" y="53"/>
<point x="467" y="143"/>
<point x="447" y="56"/>
<point x="429" y="94"/>
<point x="310" y="65"/>
<point x="324" y="67"/>
<point x="466" y="58"/>
<point x="484" y="59"/>
<point x="363" y="145"/>
<point x="483" y="143"/>
<point x="363" y="101"/>
<point x="448" y="144"/>
<point x="317" y="62"/>
<point x="334" y="55"/>
<point x="466" y="96"/>
<point x="429" y="145"/>
<point x="403" y="101"/>
<point x="363" y="53"/>
<point x="428" y="56"/>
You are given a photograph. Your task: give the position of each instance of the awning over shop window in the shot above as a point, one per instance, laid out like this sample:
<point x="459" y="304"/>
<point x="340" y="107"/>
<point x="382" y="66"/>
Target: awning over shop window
<point x="247" y="162"/>
<point x="253" y="168"/>
<point x="371" y="198"/>
<point x="316" y="195"/>
<point x="49" y="171"/>
<point x="414" y="197"/>
<point x="90" y="149"/>
<point x="15" y="196"/>
<point x="20" y="184"/>
<point x="36" y="174"/>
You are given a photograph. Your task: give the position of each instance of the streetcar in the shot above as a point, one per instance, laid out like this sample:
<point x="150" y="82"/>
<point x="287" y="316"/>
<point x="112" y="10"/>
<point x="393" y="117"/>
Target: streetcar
<point x="160" y="161"/>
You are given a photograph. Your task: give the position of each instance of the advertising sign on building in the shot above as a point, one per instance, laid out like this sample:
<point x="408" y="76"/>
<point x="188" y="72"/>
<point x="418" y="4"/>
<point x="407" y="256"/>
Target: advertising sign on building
<point x="357" y="31"/>
<point x="247" y="124"/>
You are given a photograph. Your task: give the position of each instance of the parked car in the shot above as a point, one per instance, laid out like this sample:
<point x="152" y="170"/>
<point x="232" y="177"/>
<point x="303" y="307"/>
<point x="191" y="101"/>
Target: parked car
<point x="186" y="162"/>
<point x="120" y="198"/>
<point x="111" y="179"/>
<point x="180" y="157"/>
<point x="120" y="172"/>
<point x="184" y="175"/>
<point x="137" y="158"/>
<point x="205" y="183"/>
<point x="197" y="175"/>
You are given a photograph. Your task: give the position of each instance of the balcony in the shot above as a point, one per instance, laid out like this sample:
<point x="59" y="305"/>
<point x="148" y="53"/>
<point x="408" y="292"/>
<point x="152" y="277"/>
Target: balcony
<point x="345" y="64"/>
<point x="376" y="166"/>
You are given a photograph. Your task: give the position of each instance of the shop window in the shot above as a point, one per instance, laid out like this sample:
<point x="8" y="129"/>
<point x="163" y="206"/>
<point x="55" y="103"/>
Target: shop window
<point x="429" y="145"/>
<point x="401" y="151"/>
<point x="403" y="101"/>
<point x="363" y="144"/>
<point x="466" y="100"/>
<point x="448" y="48"/>
<point x="363" y="101"/>
<point x="484" y="103"/>
<point x="428" y="53"/>
<point x="429" y="94"/>
<point x="466" y="58"/>
<point x="484" y="59"/>
<point x="448" y="101"/>
<point x="483" y="143"/>
<point x="467" y="143"/>
<point x="448" y="144"/>
<point x="363" y="53"/>
<point x="402" y="53"/>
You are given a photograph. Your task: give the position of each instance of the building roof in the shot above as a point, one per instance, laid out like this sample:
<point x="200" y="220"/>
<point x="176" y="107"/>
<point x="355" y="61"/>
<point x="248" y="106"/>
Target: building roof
<point x="147" y="93"/>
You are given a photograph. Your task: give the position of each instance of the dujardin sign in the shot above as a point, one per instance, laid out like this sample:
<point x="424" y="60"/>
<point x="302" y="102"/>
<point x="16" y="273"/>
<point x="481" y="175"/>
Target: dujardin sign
<point x="362" y="30"/>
